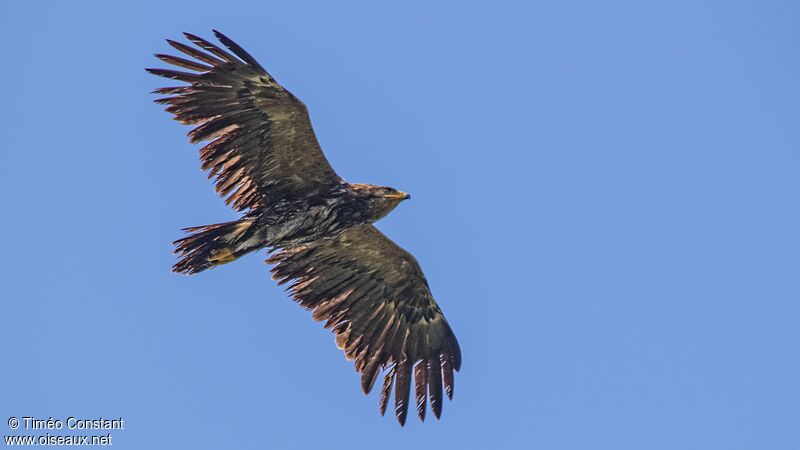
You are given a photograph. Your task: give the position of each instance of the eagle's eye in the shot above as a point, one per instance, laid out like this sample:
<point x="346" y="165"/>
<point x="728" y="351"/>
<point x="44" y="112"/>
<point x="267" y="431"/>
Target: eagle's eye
<point x="383" y="192"/>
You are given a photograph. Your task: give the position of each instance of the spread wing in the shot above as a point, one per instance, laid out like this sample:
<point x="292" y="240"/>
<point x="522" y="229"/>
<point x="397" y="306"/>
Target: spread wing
<point x="262" y="144"/>
<point x="376" y="299"/>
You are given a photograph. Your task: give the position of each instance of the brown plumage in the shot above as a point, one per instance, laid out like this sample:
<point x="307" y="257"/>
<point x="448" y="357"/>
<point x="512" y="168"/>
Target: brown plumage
<point x="268" y="164"/>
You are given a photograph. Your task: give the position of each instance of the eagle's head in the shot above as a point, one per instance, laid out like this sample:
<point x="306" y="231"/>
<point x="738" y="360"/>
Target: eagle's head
<point x="378" y="201"/>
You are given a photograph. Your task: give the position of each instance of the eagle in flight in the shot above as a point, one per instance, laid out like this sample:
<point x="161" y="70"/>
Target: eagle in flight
<point x="267" y="164"/>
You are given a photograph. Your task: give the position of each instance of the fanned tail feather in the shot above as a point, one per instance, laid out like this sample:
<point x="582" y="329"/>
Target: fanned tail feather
<point x="213" y="245"/>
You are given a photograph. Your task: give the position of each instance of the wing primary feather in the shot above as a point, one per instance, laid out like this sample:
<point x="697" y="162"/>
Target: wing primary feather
<point x="204" y="44"/>
<point x="239" y="51"/>
<point x="169" y="90"/>
<point x="420" y="387"/>
<point x="402" y="390"/>
<point x="205" y="57"/>
<point x="451" y="344"/>
<point x="185" y="63"/>
<point x="175" y="75"/>
<point x="388" y="380"/>
<point x="435" y="385"/>
<point x="370" y="373"/>
<point x="447" y="372"/>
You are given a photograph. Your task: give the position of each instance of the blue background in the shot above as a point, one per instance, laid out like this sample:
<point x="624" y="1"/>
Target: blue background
<point x="605" y="204"/>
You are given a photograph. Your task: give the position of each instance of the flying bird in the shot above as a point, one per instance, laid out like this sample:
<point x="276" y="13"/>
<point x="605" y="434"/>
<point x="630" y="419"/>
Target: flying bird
<point x="318" y="228"/>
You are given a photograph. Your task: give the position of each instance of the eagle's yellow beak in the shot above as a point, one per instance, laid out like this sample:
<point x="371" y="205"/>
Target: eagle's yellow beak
<point x="399" y="196"/>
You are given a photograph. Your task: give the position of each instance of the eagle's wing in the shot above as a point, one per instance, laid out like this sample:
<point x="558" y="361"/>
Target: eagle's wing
<point x="263" y="146"/>
<point x="375" y="297"/>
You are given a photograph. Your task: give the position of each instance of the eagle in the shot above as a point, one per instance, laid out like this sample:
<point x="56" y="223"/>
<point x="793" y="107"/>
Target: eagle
<point x="317" y="228"/>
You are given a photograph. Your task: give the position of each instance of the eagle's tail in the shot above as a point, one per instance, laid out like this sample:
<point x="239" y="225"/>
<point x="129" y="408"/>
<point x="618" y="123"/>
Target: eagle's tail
<point x="214" y="245"/>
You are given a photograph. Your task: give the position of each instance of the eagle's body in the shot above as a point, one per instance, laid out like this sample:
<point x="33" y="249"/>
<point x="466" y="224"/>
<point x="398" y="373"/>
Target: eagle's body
<point x="285" y="223"/>
<point x="268" y="165"/>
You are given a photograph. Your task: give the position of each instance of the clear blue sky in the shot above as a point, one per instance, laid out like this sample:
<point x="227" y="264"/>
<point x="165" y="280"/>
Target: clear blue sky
<point x="605" y="204"/>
